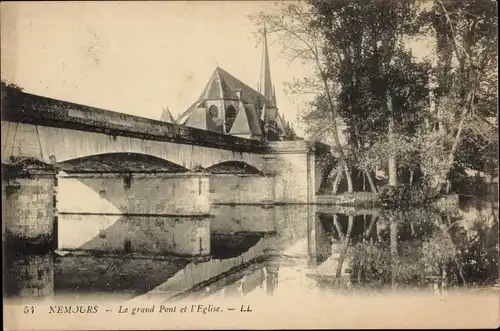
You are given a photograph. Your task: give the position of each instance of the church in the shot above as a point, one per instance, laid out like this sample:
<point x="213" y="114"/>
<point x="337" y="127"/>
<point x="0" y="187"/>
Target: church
<point x="229" y="106"/>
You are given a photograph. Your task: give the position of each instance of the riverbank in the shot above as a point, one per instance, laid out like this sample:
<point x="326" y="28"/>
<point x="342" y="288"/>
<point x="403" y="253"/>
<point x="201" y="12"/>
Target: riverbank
<point x="372" y="200"/>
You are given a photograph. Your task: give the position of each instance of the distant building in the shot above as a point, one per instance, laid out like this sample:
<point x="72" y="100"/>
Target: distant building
<point x="227" y="105"/>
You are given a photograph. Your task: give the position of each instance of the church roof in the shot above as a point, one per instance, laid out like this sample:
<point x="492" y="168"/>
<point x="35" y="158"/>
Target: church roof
<point x="217" y="88"/>
<point x="270" y="114"/>
<point x="247" y="121"/>
<point x="200" y="119"/>
<point x="280" y="122"/>
<point x="184" y="116"/>
<point x="166" y="116"/>
<point x="248" y="94"/>
<point x="222" y="86"/>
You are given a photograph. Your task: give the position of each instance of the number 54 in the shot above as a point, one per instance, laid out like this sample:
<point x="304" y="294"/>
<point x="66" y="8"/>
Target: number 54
<point x="29" y="309"/>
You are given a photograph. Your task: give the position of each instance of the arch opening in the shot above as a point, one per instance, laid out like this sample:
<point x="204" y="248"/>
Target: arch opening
<point x="233" y="167"/>
<point x="120" y="162"/>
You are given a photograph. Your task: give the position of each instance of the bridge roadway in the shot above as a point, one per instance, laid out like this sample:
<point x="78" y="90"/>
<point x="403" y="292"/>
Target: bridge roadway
<point x="57" y="154"/>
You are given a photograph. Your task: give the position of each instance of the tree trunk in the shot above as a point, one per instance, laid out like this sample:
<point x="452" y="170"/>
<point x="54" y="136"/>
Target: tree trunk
<point x="371" y="182"/>
<point x="448" y="237"/>
<point x="394" y="252"/>
<point x="345" y="246"/>
<point x="338" y="177"/>
<point x="393" y="179"/>
<point x="371" y="227"/>
<point x="348" y="178"/>
<point x="337" y="227"/>
<point x="325" y="178"/>
<point x="451" y="156"/>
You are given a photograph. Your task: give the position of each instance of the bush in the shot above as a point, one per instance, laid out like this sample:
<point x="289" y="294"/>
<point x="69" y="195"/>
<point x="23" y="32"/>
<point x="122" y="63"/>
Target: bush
<point x="406" y="195"/>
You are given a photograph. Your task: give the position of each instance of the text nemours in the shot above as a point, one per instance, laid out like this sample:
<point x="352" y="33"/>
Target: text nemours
<point x="131" y="310"/>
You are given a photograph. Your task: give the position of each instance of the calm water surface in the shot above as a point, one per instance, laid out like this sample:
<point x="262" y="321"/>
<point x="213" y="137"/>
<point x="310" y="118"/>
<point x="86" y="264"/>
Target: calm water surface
<point x="263" y="251"/>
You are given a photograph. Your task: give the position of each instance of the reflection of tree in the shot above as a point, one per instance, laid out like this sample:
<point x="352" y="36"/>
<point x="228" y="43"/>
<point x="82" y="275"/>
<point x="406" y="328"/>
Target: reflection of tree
<point x="478" y="251"/>
<point x="417" y="245"/>
<point x="345" y="246"/>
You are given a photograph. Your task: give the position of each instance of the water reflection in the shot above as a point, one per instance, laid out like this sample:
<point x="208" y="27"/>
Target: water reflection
<point x="29" y="275"/>
<point x="254" y="250"/>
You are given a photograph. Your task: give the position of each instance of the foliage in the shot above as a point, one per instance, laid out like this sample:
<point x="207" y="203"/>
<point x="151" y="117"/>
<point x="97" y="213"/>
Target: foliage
<point x="436" y="243"/>
<point x="9" y="89"/>
<point x="466" y="93"/>
<point x="437" y="251"/>
<point x="405" y="195"/>
<point x="370" y="66"/>
<point x="478" y="250"/>
<point x="301" y="40"/>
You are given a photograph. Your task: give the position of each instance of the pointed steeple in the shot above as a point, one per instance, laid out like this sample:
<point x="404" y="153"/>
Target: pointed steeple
<point x="166" y="116"/>
<point x="266" y="85"/>
<point x="274" y="96"/>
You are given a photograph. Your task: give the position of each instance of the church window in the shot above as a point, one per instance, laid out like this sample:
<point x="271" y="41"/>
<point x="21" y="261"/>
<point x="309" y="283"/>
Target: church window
<point x="230" y="117"/>
<point x="213" y="111"/>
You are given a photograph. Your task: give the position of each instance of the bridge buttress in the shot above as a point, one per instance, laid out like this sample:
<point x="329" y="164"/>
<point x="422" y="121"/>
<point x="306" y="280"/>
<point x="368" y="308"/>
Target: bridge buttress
<point x="28" y="199"/>
<point x="293" y="165"/>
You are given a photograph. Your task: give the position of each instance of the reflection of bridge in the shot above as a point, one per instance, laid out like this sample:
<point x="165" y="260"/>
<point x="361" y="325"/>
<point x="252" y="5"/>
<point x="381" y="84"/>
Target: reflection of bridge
<point x="135" y="166"/>
<point x="235" y="239"/>
<point x="247" y="246"/>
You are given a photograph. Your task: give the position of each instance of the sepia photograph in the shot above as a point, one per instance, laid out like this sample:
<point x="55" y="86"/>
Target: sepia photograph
<point x="250" y="164"/>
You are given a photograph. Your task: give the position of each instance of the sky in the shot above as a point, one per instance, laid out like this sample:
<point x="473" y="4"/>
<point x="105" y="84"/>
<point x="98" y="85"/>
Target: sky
<point x="136" y="58"/>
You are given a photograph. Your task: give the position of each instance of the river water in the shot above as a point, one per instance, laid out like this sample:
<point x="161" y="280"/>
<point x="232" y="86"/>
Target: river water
<point x="253" y="251"/>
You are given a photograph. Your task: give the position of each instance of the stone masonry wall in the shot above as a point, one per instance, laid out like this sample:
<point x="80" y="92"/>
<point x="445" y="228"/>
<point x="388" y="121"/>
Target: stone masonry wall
<point x="293" y="165"/>
<point x="36" y="276"/>
<point x="28" y="212"/>
<point x="152" y="194"/>
<point x="241" y="189"/>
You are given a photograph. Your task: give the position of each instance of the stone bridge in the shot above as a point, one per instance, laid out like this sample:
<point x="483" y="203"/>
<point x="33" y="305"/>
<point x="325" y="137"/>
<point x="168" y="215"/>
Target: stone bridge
<point x="129" y="165"/>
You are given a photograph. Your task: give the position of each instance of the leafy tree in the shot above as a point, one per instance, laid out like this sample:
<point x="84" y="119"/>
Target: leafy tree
<point x="466" y="49"/>
<point x="301" y="40"/>
<point x="382" y="89"/>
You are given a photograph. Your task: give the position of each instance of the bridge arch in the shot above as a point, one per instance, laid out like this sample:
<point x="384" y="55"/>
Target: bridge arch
<point x="233" y="167"/>
<point x="120" y="162"/>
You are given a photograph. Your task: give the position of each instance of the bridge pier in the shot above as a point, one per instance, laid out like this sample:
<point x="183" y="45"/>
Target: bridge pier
<point x="241" y="189"/>
<point x="35" y="276"/>
<point x="293" y="165"/>
<point x="143" y="213"/>
<point x="28" y="200"/>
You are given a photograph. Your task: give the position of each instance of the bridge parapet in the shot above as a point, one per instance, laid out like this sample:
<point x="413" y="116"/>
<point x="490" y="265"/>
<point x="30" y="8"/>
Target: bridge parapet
<point x="38" y="110"/>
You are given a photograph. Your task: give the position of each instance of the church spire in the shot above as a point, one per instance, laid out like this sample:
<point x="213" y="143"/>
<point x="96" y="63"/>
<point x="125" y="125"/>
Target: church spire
<point x="274" y="97"/>
<point x="166" y="116"/>
<point x="266" y="85"/>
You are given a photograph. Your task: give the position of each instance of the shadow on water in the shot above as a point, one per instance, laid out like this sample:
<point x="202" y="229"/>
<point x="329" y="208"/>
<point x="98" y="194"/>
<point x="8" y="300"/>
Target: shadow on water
<point x="252" y="249"/>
